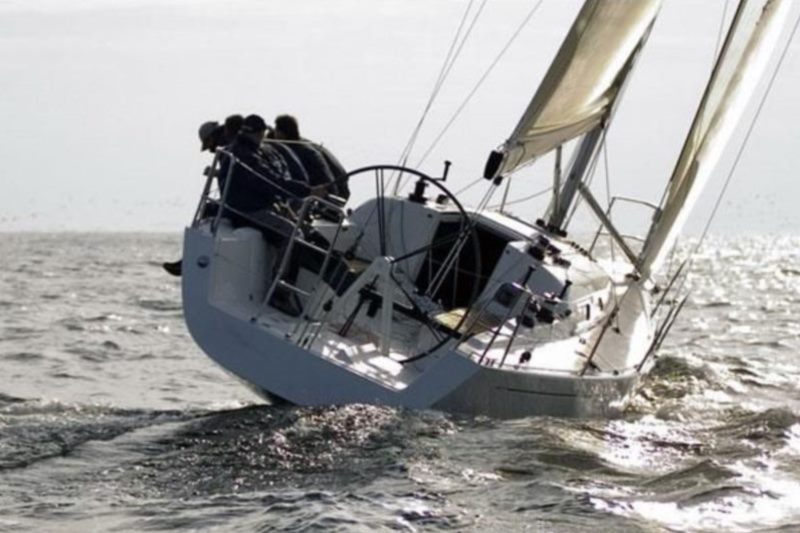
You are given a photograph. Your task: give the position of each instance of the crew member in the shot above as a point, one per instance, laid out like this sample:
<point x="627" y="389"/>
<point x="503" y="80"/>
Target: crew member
<point x="322" y="168"/>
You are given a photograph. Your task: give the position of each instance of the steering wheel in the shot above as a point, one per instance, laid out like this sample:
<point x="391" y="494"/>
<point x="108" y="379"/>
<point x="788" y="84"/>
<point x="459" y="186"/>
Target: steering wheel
<point x="398" y="178"/>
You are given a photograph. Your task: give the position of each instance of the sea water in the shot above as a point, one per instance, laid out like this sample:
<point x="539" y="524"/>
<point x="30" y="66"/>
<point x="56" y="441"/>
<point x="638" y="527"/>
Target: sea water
<point x="111" y="419"/>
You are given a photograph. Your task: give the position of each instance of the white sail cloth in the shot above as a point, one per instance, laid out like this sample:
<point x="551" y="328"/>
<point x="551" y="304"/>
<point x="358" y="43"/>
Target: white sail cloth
<point x="583" y="79"/>
<point x="748" y="47"/>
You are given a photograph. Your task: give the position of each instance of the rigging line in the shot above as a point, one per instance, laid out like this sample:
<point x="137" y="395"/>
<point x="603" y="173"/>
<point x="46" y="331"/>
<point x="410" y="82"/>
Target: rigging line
<point x="505" y="195"/>
<point x="468" y="187"/>
<point x="480" y="81"/>
<point x="524" y="199"/>
<point x="451" y="57"/>
<point x="684" y="270"/>
<point x="446" y="68"/>
<point x="718" y="45"/>
<point x="749" y="132"/>
<point x="437" y="89"/>
<point x="699" y="115"/>
<point x="454" y="252"/>
<point x="671" y="258"/>
<point x="449" y="61"/>
<point x="721" y="29"/>
<point x="464" y="40"/>
<point x="608" y="174"/>
<point x="608" y="193"/>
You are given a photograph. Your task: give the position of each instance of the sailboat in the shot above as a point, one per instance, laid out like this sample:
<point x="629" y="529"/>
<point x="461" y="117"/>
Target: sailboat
<point x="413" y="299"/>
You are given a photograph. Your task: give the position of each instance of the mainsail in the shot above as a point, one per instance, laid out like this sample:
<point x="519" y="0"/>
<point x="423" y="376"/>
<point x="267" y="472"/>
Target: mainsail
<point x="583" y="80"/>
<point x="748" y="45"/>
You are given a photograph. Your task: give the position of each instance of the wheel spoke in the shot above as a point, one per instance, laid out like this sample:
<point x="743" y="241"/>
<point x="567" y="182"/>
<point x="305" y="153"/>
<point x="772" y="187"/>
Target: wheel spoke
<point x="463" y="232"/>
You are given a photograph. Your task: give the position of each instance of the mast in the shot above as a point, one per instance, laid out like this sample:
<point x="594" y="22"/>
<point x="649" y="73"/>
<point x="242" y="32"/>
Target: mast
<point x="581" y="158"/>
<point x="557" y="178"/>
<point x="748" y="46"/>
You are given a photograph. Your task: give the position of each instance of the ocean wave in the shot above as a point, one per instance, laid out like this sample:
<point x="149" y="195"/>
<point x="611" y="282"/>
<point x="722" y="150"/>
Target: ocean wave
<point x="160" y="305"/>
<point x="23" y="356"/>
<point x="701" y="473"/>
<point x="6" y="399"/>
<point x="33" y="430"/>
<point x="20" y="333"/>
<point x="771" y="427"/>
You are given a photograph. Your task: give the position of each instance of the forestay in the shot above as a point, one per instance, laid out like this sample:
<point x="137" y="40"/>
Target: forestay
<point x="583" y="80"/>
<point x="748" y="46"/>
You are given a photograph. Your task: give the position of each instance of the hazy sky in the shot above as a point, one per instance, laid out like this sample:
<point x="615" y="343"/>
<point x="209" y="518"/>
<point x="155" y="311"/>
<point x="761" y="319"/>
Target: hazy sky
<point x="100" y="100"/>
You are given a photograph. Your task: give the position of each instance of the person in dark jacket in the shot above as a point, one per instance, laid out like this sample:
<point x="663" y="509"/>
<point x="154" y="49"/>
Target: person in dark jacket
<point x="338" y="171"/>
<point x="296" y="168"/>
<point x="321" y="167"/>
<point x="260" y="178"/>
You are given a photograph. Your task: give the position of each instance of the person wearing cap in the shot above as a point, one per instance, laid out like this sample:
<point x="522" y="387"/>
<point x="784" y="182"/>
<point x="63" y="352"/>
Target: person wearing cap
<point x="212" y="135"/>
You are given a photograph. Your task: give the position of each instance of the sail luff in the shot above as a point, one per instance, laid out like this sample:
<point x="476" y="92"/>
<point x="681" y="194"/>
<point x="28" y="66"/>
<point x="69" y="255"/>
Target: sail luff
<point x="583" y="80"/>
<point x="750" y="40"/>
